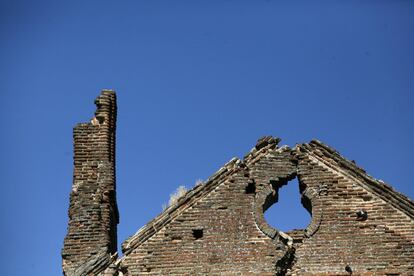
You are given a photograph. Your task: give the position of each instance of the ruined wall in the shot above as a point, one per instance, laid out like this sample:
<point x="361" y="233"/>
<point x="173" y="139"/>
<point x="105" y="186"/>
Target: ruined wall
<point x="93" y="213"/>
<point x="216" y="233"/>
<point x="359" y="225"/>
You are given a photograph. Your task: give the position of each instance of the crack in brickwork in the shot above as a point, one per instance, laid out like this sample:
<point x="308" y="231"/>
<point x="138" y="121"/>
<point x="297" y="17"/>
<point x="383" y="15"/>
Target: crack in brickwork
<point x="359" y="225"/>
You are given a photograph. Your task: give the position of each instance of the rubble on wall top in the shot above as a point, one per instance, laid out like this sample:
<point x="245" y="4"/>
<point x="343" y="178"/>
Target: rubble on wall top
<point x="265" y="141"/>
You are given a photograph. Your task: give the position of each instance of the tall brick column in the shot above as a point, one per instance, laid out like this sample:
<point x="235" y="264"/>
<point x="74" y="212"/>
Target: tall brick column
<point x="93" y="214"/>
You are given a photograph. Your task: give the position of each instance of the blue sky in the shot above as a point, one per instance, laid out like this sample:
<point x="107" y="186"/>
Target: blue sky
<point x="198" y="82"/>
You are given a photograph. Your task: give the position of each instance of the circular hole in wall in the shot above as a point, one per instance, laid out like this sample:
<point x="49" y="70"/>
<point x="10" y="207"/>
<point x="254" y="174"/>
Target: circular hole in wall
<point x="288" y="212"/>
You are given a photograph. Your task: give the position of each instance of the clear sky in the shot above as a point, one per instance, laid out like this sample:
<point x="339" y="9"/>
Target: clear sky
<point x="198" y="82"/>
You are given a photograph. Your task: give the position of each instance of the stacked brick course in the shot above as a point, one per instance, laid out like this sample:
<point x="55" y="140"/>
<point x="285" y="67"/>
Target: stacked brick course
<point x="360" y="226"/>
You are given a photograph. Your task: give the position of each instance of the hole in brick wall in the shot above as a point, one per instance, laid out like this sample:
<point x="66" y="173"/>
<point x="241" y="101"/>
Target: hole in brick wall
<point x="288" y="213"/>
<point x="362" y="215"/>
<point x="100" y="119"/>
<point x="197" y="233"/>
<point x="251" y="188"/>
<point x="367" y="198"/>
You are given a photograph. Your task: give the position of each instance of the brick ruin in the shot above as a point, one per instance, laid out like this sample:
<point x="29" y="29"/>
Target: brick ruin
<point x="359" y="226"/>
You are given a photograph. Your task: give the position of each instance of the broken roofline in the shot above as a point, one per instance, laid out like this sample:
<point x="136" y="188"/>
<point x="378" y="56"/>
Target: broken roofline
<point x="318" y="151"/>
<point x="192" y="196"/>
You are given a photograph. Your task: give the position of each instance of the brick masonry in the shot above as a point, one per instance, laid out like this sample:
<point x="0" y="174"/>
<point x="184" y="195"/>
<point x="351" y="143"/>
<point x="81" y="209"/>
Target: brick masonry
<point x="359" y="226"/>
<point x="93" y="213"/>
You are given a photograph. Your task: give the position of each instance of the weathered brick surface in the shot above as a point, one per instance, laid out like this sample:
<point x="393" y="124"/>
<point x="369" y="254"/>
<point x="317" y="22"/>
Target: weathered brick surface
<point x="382" y="243"/>
<point x="225" y="213"/>
<point x="93" y="213"/>
<point x="359" y="226"/>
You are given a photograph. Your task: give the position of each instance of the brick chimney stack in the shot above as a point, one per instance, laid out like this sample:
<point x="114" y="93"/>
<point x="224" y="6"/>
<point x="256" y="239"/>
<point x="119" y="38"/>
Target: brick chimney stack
<point x="93" y="211"/>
